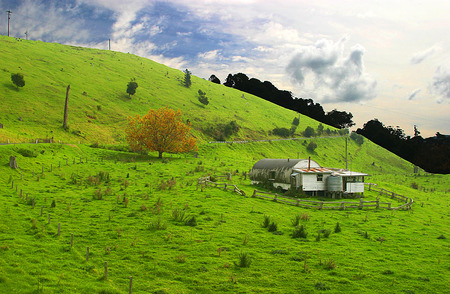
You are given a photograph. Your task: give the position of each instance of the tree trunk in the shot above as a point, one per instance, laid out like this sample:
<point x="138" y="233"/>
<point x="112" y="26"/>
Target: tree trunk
<point x="65" y="108"/>
<point x="160" y="153"/>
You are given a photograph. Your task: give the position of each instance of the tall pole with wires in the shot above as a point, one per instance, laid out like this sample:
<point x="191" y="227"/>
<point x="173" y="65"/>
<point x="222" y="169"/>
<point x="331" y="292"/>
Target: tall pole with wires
<point x="9" y="17"/>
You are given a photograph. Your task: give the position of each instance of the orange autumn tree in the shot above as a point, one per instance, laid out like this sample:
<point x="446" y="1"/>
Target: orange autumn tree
<point x="160" y="130"/>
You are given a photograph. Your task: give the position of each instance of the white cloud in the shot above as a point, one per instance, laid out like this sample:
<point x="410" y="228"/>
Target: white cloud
<point x="212" y="55"/>
<point x="441" y="82"/>
<point x="418" y="57"/>
<point x="336" y="76"/>
<point x="414" y="94"/>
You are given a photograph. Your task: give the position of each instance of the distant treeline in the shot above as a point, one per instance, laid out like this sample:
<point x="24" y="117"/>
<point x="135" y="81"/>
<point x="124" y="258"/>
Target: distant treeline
<point x="267" y="91"/>
<point x="432" y="154"/>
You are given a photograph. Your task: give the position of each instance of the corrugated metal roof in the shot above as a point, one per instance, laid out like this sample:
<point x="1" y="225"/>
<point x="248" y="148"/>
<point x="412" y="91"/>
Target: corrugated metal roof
<point x="269" y="163"/>
<point x="314" y="170"/>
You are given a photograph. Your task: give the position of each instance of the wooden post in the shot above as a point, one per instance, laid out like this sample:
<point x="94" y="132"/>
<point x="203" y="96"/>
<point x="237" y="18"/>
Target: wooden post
<point x="106" y="270"/>
<point x="275" y="197"/>
<point x="321" y="205"/>
<point x="59" y="229"/>
<point x="66" y="108"/>
<point x="381" y="191"/>
<point x="298" y="202"/>
<point x="12" y="184"/>
<point x="361" y="204"/>
<point x="370" y="186"/>
<point x="254" y="194"/>
<point x="131" y="284"/>
<point x="71" y="240"/>
<point x="389" y="205"/>
<point x="378" y="202"/>
<point x="225" y="186"/>
<point x="342" y="206"/>
<point x="87" y="253"/>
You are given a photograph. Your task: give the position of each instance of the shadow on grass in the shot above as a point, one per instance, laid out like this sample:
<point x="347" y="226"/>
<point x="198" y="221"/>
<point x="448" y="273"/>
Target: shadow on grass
<point x="10" y="87"/>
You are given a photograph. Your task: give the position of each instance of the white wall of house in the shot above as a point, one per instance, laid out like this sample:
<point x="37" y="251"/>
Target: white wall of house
<point x="355" y="188"/>
<point x="314" y="182"/>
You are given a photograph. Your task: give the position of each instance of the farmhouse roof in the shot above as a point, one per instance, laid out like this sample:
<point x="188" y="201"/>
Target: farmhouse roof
<point x="269" y="163"/>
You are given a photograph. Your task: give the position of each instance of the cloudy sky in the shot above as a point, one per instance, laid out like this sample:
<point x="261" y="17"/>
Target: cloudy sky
<point x="377" y="59"/>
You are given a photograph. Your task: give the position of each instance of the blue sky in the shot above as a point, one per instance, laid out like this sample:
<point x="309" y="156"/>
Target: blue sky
<point x="386" y="59"/>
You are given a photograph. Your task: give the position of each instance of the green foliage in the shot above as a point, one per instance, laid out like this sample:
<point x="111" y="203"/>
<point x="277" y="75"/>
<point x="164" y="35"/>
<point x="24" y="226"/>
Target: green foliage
<point x="311" y="146"/>
<point x="266" y="221"/>
<point x="187" y="79"/>
<point x="309" y="132"/>
<point x="192" y="221"/>
<point x="296" y="121"/>
<point x="300" y="232"/>
<point x="357" y="138"/>
<point x="221" y="132"/>
<point x="282" y="132"/>
<point x="27" y="152"/>
<point x="273" y="227"/>
<point x="202" y="97"/>
<point x="244" y="260"/>
<point x="18" y="80"/>
<point x="337" y="228"/>
<point x="131" y="87"/>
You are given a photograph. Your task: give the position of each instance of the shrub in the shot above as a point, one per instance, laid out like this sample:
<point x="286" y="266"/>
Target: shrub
<point x="266" y="221"/>
<point x="158" y="225"/>
<point x="202" y="97"/>
<point x="191" y="222"/>
<point x="296" y="121"/>
<point x="329" y="265"/>
<point x="414" y="185"/>
<point x="296" y="220"/>
<point x="321" y="286"/>
<point x="309" y="132"/>
<point x="357" y="138"/>
<point x="337" y="228"/>
<point x="282" y="132"/>
<point x="18" y="80"/>
<point x="441" y="237"/>
<point x="244" y="260"/>
<point x="299" y="232"/>
<point x="178" y="215"/>
<point x="273" y="227"/>
<point x="26" y="153"/>
<point x="311" y="146"/>
<point x="326" y="233"/>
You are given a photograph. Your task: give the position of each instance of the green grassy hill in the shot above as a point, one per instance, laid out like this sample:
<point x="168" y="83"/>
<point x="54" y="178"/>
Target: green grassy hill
<point x="99" y="105"/>
<point x="127" y="208"/>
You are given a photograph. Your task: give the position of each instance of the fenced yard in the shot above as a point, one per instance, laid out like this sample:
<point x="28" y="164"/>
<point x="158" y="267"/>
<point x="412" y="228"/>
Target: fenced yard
<point x="339" y="205"/>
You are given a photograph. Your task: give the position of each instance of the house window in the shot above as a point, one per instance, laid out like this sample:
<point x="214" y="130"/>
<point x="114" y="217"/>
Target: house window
<point x="320" y="178"/>
<point x="272" y="175"/>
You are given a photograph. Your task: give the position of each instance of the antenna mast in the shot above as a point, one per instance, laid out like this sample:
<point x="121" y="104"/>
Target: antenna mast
<point x="9" y="17"/>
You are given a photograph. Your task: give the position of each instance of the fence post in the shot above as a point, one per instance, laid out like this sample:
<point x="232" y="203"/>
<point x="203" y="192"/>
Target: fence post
<point x="254" y="194"/>
<point x="381" y="191"/>
<point x="106" y="270"/>
<point x="131" y="284"/>
<point x="225" y="186"/>
<point x="321" y="205"/>
<point x="342" y="206"/>
<point x="361" y="203"/>
<point x="378" y="202"/>
<point x="370" y="186"/>
<point x="389" y="205"/>
<point x="275" y="197"/>
<point x="298" y="202"/>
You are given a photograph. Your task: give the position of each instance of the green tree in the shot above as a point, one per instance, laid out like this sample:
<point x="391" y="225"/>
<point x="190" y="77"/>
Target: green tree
<point x="187" y="79"/>
<point x="131" y="87"/>
<point x="311" y="146"/>
<point x="18" y="80"/>
<point x="202" y="98"/>
<point x="296" y="121"/>
<point x="309" y="132"/>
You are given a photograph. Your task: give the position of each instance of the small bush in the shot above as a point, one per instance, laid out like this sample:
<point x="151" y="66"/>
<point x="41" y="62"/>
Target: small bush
<point x="281" y="132"/>
<point x="192" y="221"/>
<point x="357" y="138"/>
<point x="414" y="185"/>
<point x="309" y="132"/>
<point x="321" y="286"/>
<point x="158" y="225"/>
<point x="388" y="272"/>
<point x="299" y="232"/>
<point x="244" y="260"/>
<point x="441" y="237"/>
<point x="296" y="220"/>
<point x="326" y="233"/>
<point x="330" y="265"/>
<point x="337" y="228"/>
<point x="178" y="215"/>
<point x="273" y="227"/>
<point x="296" y="121"/>
<point x="311" y="146"/>
<point x="26" y="153"/>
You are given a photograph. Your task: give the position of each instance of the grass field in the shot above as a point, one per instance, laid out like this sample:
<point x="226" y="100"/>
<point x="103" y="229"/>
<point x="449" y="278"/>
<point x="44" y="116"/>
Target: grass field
<point x="147" y="218"/>
<point x="377" y="251"/>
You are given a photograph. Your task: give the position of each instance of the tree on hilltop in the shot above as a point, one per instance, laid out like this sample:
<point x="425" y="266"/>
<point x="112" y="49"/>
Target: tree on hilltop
<point x="160" y="130"/>
<point x="18" y="80"/>
<point x="187" y="79"/>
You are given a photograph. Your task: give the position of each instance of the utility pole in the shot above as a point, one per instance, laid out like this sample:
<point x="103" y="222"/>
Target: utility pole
<point x="346" y="159"/>
<point x="109" y="44"/>
<point x="9" y="17"/>
<point x="26" y="35"/>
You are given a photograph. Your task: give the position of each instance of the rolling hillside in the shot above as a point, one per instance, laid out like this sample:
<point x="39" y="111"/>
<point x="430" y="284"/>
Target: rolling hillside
<point x="133" y="213"/>
<point x="99" y="105"/>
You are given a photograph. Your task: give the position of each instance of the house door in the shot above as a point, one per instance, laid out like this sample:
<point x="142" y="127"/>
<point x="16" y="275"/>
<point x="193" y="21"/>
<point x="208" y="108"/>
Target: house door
<point x="294" y="181"/>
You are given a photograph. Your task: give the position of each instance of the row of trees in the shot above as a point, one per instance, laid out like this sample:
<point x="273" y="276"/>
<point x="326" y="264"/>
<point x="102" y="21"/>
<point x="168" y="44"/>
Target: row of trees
<point x="267" y="91"/>
<point x="431" y="154"/>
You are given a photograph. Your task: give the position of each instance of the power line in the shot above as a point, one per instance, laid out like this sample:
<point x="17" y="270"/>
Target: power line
<point x="9" y="17"/>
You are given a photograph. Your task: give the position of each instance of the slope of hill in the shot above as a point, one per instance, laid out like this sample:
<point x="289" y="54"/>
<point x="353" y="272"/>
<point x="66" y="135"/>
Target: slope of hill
<point x="98" y="103"/>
